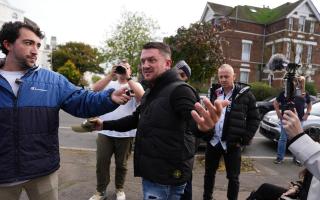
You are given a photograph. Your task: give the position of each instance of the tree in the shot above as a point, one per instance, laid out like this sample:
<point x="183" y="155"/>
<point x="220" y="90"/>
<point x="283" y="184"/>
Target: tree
<point x="128" y="37"/>
<point x="201" y="47"/>
<point x="84" y="57"/>
<point x="70" y="71"/>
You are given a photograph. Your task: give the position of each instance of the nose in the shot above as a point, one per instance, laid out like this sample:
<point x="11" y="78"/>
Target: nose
<point x="34" y="49"/>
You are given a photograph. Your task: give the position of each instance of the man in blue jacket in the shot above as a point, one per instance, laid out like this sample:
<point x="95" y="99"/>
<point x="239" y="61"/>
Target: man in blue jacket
<point x="30" y="100"/>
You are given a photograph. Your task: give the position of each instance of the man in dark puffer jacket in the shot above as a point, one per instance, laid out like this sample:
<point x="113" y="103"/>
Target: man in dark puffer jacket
<point x="235" y="128"/>
<point x="165" y="145"/>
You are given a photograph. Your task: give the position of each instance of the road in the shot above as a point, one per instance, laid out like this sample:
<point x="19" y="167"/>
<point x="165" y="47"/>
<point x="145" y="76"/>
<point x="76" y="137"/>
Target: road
<point x="260" y="147"/>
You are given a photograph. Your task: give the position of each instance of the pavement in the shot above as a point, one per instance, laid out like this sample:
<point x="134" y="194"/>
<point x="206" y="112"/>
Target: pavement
<point x="77" y="179"/>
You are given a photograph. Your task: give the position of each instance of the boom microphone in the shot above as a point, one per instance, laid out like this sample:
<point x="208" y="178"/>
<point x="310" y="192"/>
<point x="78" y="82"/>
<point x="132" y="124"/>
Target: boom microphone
<point x="278" y="62"/>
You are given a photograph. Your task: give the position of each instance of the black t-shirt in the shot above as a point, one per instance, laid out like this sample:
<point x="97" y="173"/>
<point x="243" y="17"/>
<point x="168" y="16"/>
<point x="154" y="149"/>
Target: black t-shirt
<point x="299" y="103"/>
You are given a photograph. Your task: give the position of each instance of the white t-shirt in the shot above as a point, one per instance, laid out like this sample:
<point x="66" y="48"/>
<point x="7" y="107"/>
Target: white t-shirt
<point x="11" y="77"/>
<point x="121" y="111"/>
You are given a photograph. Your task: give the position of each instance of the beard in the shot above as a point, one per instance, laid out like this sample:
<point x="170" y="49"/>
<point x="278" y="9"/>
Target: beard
<point x="25" y="64"/>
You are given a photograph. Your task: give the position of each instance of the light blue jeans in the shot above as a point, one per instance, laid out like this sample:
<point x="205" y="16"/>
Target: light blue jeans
<point x="282" y="143"/>
<point x="157" y="191"/>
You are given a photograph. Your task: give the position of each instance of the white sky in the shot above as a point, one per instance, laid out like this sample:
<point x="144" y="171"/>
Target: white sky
<point x="88" y="21"/>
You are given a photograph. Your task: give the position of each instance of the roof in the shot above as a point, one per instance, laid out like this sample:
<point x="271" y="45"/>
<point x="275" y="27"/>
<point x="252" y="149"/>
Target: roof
<point x="255" y="14"/>
<point x="219" y="9"/>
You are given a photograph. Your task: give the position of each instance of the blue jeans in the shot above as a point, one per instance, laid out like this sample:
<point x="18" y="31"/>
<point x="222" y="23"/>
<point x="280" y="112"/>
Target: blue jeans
<point x="157" y="191"/>
<point x="282" y="144"/>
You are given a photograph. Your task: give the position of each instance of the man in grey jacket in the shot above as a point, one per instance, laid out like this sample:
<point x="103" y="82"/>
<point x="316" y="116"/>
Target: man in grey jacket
<point x="305" y="149"/>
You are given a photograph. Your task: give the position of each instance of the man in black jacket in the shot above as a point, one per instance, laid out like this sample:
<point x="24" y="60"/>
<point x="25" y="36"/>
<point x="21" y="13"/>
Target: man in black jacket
<point x="164" y="146"/>
<point x="236" y="127"/>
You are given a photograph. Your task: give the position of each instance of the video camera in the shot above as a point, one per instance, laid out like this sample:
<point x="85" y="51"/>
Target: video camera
<point x="278" y="62"/>
<point x="120" y="69"/>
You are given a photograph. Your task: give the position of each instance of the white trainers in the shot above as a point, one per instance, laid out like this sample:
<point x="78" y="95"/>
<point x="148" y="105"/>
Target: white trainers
<point x="99" y="196"/>
<point x="120" y="195"/>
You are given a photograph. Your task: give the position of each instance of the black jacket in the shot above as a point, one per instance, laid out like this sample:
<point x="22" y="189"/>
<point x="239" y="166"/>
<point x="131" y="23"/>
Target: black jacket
<point x="165" y="144"/>
<point x="241" y="117"/>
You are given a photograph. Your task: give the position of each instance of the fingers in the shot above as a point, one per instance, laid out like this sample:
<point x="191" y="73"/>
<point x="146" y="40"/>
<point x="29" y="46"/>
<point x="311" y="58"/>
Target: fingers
<point x="207" y="118"/>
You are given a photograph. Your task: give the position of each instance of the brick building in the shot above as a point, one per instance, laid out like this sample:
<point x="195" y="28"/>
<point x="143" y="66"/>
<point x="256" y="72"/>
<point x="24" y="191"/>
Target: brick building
<point x="254" y="34"/>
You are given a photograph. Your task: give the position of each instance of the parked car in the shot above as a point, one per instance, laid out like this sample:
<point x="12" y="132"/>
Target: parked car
<point x="270" y="124"/>
<point x="267" y="105"/>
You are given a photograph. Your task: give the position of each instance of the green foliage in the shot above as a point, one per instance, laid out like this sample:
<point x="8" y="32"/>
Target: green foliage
<point x="262" y="90"/>
<point x="70" y="71"/>
<point x="130" y="34"/>
<point x="201" y="87"/>
<point x="84" y="57"/>
<point x="95" y="78"/>
<point x="311" y="88"/>
<point x="201" y="47"/>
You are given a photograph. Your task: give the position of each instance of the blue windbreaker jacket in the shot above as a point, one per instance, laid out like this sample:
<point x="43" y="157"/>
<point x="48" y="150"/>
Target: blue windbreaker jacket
<point x="29" y="144"/>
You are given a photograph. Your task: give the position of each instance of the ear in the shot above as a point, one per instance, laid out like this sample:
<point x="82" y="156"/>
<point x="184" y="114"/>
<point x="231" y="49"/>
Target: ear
<point x="168" y="63"/>
<point x="7" y="44"/>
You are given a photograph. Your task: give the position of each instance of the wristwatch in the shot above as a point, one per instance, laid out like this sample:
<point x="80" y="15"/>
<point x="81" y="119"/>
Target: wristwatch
<point x="307" y="113"/>
<point x="130" y="78"/>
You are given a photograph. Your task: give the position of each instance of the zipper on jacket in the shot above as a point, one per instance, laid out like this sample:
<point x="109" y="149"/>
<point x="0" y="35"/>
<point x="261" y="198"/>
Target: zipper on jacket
<point x="16" y="131"/>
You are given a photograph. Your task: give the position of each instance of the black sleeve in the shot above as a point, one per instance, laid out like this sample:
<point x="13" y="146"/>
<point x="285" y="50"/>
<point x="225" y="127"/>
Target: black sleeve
<point x="182" y="101"/>
<point x="123" y="124"/>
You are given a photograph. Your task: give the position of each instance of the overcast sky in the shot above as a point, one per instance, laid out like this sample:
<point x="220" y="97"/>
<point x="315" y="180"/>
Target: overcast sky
<point x="89" y="20"/>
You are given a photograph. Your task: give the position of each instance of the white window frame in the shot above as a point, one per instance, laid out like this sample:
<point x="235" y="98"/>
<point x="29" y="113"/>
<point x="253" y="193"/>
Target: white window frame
<point x="288" y="54"/>
<point x="244" y="75"/>
<point x="302" y="22"/>
<point x="290" y="27"/>
<point x="273" y="48"/>
<point x="309" y="55"/>
<point x="312" y="23"/>
<point x="246" y="46"/>
<point x="299" y="49"/>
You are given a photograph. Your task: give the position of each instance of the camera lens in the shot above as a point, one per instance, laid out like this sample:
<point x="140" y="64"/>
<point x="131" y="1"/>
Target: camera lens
<point x="120" y="70"/>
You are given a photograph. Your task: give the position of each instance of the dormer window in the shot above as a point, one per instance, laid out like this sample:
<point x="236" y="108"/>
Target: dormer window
<point x="253" y="10"/>
<point x="302" y="20"/>
<point x="312" y="27"/>
<point x="290" y="27"/>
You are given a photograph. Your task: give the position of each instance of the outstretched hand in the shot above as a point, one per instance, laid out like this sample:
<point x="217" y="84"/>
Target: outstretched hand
<point x="206" y="117"/>
<point x="119" y="96"/>
<point x="98" y="123"/>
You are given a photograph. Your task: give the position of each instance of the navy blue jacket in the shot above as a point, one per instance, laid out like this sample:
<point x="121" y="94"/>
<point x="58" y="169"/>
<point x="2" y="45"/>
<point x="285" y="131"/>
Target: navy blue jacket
<point x="29" y="144"/>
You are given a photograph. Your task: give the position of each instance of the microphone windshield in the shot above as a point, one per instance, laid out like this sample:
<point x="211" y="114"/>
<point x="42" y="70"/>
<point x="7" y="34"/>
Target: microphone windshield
<point x="277" y="62"/>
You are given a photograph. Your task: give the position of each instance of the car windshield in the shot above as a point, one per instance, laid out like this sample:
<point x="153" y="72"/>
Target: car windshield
<point x="315" y="109"/>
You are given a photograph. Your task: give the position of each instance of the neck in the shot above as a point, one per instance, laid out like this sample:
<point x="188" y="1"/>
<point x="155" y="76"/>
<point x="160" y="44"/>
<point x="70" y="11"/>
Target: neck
<point x="122" y="81"/>
<point x="227" y="90"/>
<point x="11" y="65"/>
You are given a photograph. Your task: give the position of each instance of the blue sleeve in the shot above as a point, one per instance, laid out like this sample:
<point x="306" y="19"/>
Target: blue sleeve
<point x="84" y="103"/>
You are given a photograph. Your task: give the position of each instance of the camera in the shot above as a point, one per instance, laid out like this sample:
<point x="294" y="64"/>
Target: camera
<point x="120" y="69"/>
<point x="129" y="92"/>
<point x="279" y="62"/>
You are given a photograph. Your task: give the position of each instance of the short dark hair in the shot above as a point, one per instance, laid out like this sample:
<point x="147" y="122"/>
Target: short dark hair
<point x="10" y="31"/>
<point x="162" y="47"/>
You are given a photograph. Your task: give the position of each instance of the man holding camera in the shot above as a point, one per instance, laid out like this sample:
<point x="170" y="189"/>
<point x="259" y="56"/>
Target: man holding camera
<point x="300" y="99"/>
<point x="113" y="142"/>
